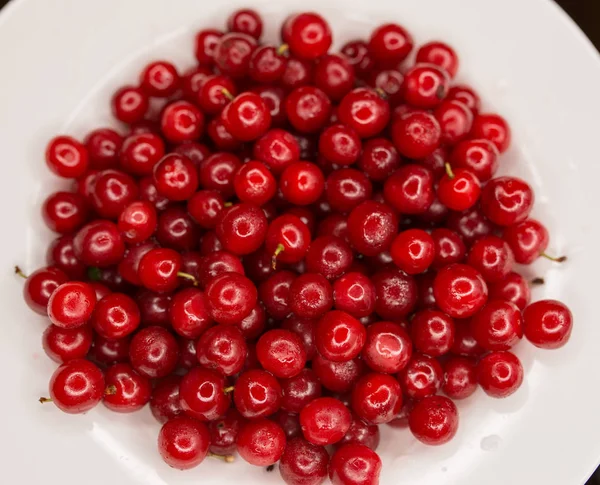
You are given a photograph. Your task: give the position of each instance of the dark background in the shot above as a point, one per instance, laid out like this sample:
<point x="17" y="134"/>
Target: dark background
<point x="586" y="14"/>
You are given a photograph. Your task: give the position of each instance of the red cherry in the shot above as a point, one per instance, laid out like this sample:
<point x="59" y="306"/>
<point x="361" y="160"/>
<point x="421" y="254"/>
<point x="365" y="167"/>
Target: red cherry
<point x="305" y="329"/>
<point x="175" y="177"/>
<point x="242" y="228"/>
<point x="274" y="293"/>
<point x="325" y="421"/>
<point x="409" y="190"/>
<point x="432" y="332"/>
<point x="165" y="403"/>
<point x="362" y="433"/>
<point x="287" y="239"/>
<point x="527" y="240"/>
<point x="113" y="191"/>
<point x="254" y="183"/>
<point x="99" y="243"/>
<point x="494" y="128"/>
<point x="307" y="109"/>
<point x="76" y="386"/>
<point x="355" y="294"/>
<point x="137" y="222"/>
<point x="371" y="227"/>
<point x="479" y="156"/>
<point x="465" y="95"/>
<point x="396" y="293"/>
<point x="277" y="149"/>
<point x="153" y="352"/>
<point x="159" y="79"/>
<point x="224" y="432"/>
<point x="310" y="295"/>
<point x="390" y="82"/>
<point x="140" y="153"/>
<point x="379" y="159"/>
<point x="65" y="344"/>
<point x="246" y="21"/>
<point x="354" y="464"/>
<point x="513" y="288"/>
<point x="202" y="394"/>
<point x="339" y="336"/>
<point x="183" y="442"/>
<point x="217" y="263"/>
<point x="425" y="86"/>
<point x="500" y="374"/>
<point x="464" y="342"/>
<point x="308" y="35"/>
<point x="64" y="212"/>
<point x="390" y="44"/>
<point x="205" y="44"/>
<point x="103" y="145"/>
<point x="377" y="398"/>
<point x="129" y="104"/>
<point x="439" y="54"/>
<point x="416" y="134"/>
<point x="232" y="54"/>
<point x="158" y="270"/>
<point x="548" y="324"/>
<point x="222" y="348"/>
<point x="460" y="290"/>
<point x="421" y="377"/>
<point x="40" y="285"/>
<point x="299" y="390"/>
<point x="267" y="64"/>
<point x="182" y="121"/>
<point x="413" y="251"/>
<point x="459" y="189"/>
<point x="506" y="200"/>
<point x="66" y="157"/>
<point x="192" y="80"/>
<point x="71" y="304"/>
<point x="107" y="352"/>
<point x="261" y="442"/>
<point x="334" y="75"/>
<point x="281" y="352"/>
<point x="231" y="297"/>
<point x="449" y="247"/>
<point x="205" y="207"/>
<point x="470" y="225"/>
<point x="460" y="377"/>
<point x="217" y="172"/>
<point x="329" y="256"/>
<point x="388" y="347"/>
<point x="247" y="117"/>
<point x="148" y="192"/>
<point x="358" y="55"/>
<point x="126" y="391"/>
<point x="364" y="111"/>
<point x="116" y="316"/>
<point x="215" y="93"/>
<point x="492" y="257"/>
<point x="302" y="183"/>
<point x="434" y="420"/>
<point x="337" y="376"/>
<point x="298" y="72"/>
<point x="257" y="394"/>
<point x="189" y="314"/>
<point x="303" y="463"/>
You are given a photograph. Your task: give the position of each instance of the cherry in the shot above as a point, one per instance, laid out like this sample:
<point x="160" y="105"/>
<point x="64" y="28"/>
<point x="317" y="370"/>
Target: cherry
<point x="205" y="207"/>
<point x="460" y="377"/>
<point x="439" y="54"/>
<point x="513" y="288"/>
<point x="377" y="398"/>
<point x="346" y="188"/>
<point x="460" y="290"/>
<point x="307" y="109"/>
<point x="274" y="293"/>
<point x="303" y="463"/>
<point x="434" y="420"/>
<point x="390" y="44"/>
<point x="390" y="82"/>
<point x="176" y="229"/>
<point x="337" y="376"/>
<point x="409" y="190"/>
<point x="506" y="200"/>
<point x="231" y="297"/>
<point x="221" y="138"/>
<point x="242" y="228"/>
<point x="160" y="79"/>
<point x="99" y="243"/>
<point x="363" y="110"/>
<point x="103" y="145"/>
<point x="202" y="394"/>
<point x="224" y="432"/>
<point x="192" y="80"/>
<point x="494" y="128"/>
<point x="71" y="304"/>
<point x="425" y="86"/>
<point x="254" y="183"/>
<point x="188" y="313"/>
<point x="274" y="98"/>
<point x="196" y="152"/>
<point x="116" y="316"/>
<point x="76" y="386"/>
<point x="257" y="394"/>
<point x="40" y="285"/>
<point x="527" y="241"/>
<point x="164" y="402"/>
<point x="289" y="422"/>
<point x="64" y="212"/>
<point x="85" y="185"/>
<point x="267" y="64"/>
<point x="158" y="270"/>
<point x="137" y="222"/>
<point x="108" y="352"/>
<point x="325" y="421"/>
<point x="470" y="225"/>
<point x="500" y="374"/>
<point x="129" y="265"/>
<point x="281" y="352"/>
<point x="388" y="347"/>
<point x="362" y="433"/>
<point x="432" y="332"/>
<point x="222" y="348"/>
<point x="299" y="390"/>
<point x="148" y="192"/>
<point x="175" y="177"/>
<point x="66" y="157"/>
<point x="354" y="464"/>
<point x="305" y="329"/>
<point x="340" y="144"/>
<point x="396" y="293"/>
<point x="354" y="293"/>
<point x="187" y="354"/>
<point x="421" y="377"/>
<point x="449" y="247"/>
<point x="113" y="191"/>
<point x="329" y="256"/>
<point x="215" y="93"/>
<point x="277" y="149"/>
<point x="547" y="324"/>
<point x="465" y="95"/>
<point x="492" y="257"/>
<point x="334" y="75"/>
<point x="358" y="55"/>
<point x="310" y="295"/>
<point x="413" y="251"/>
<point x="126" y="391"/>
<point x="232" y="54"/>
<point x="65" y="344"/>
<point x="254" y="324"/>
<point x="371" y="227"/>
<point x="140" y="153"/>
<point x="287" y="239"/>
<point x="247" y="117"/>
<point x="339" y="336"/>
<point x="183" y="442"/>
<point x="459" y="189"/>
<point x="464" y="341"/>
<point x="261" y="442"/>
<point x="153" y="352"/>
<point x="209" y="242"/>
<point x="302" y="183"/>
<point x="246" y="21"/>
<point x="334" y="225"/>
<point x="416" y="134"/>
<point x="217" y="263"/>
<point x="379" y="159"/>
<point x="129" y="104"/>
<point x="479" y="156"/>
<point x="298" y="72"/>
<point x="205" y="44"/>
<point x="308" y="35"/>
<point x="217" y="172"/>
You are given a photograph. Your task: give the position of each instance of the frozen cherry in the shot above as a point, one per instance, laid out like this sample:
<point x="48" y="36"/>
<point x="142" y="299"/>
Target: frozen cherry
<point x="153" y="352"/>
<point x="261" y="442"/>
<point x="257" y="394"/>
<point x="242" y="228"/>
<point x="325" y="421"/>
<point x="500" y="374"/>
<point x="183" y="442"/>
<point x="71" y="304"/>
<point x="434" y="420"/>
<point x="202" y="394"/>
<point x="126" y="390"/>
<point x="460" y="290"/>
<point x="548" y="324"/>
<point x="65" y="344"/>
<point x="354" y="464"/>
<point x="432" y="332"/>
<point x="303" y="463"/>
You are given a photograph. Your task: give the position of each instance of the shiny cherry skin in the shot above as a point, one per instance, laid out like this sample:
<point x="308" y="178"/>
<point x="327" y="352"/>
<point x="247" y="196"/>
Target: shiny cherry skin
<point x="217" y="263"/>
<point x="365" y="111"/>
<point x="416" y="135"/>
<point x="231" y="297"/>
<point x="354" y="293"/>
<point x="460" y="377"/>
<point x="362" y="433"/>
<point x="116" y="316"/>
<point x="492" y="257"/>
<point x="507" y="200"/>
<point x="334" y="75"/>
<point x="354" y="464"/>
<point x="222" y="348"/>
<point x="64" y="212"/>
<point x="305" y="329"/>
<point x="126" y="391"/>
<point x="500" y="374"/>
<point x="494" y="128"/>
<point x="242" y="228"/>
<point x="76" y="386"/>
<point x="459" y="189"/>
<point x="215" y="93"/>
<point x="274" y="98"/>
<point x="182" y="121"/>
<point x="372" y="227"/>
<point x="449" y="247"/>
<point x="247" y="117"/>
<point x="422" y="377"/>
<point x="410" y="190"/>
<point x="224" y="432"/>
<point x="465" y="95"/>
<point x="187" y="353"/>
<point x="311" y="295"/>
<point x="432" y="332"/>
<point x="113" y="191"/>
<point x="307" y="109"/>
<point x="254" y="324"/>
<point x="183" y="442"/>
<point x="460" y="290"/>
<point x="464" y="341"/>
<point x="99" y="243"/>
<point x="188" y="313"/>
<point x="299" y="390"/>
<point x="434" y="420"/>
<point x="129" y="266"/>
<point x="66" y="157"/>
<point x="308" y="35"/>
<point x="65" y="344"/>
<point x="164" y="402"/>
<point x="153" y="352"/>
<point x="137" y="222"/>
<point x="413" y="251"/>
<point x="267" y="64"/>
<point x="396" y="293"/>
<point x="233" y="52"/>
<point x="254" y="183"/>
<point x="274" y="293"/>
<point x="425" y="86"/>
<point x="303" y="463"/>
<point x="107" y="352"/>
<point x="158" y="270"/>
<point x="287" y="239"/>
<point x="470" y="225"/>
<point x="357" y="54"/>
<point x="480" y="156"/>
<point x="527" y="240"/>
<point x="548" y="324"/>
<point x="339" y="337"/>
<point x="439" y="54"/>
<point x="388" y="347"/>
<point x="337" y="376"/>
<point x="159" y="79"/>
<point x="390" y="82"/>
<point x="103" y="145"/>
<point x="329" y="256"/>
<point x="202" y="394"/>
<point x="346" y="188"/>
<point x="175" y="177"/>
<point x="246" y="21"/>
<point x="340" y="144"/>
<point x="513" y="288"/>
<point x="281" y="352"/>
<point x="129" y="104"/>
<point x="277" y="148"/>
<point x="257" y="394"/>
<point x="71" y="304"/>
<point x="302" y="183"/>
<point x="217" y="172"/>
<point x="261" y="442"/>
<point x="325" y="421"/>
<point x="148" y="192"/>
<point x="176" y="229"/>
<point x="205" y="43"/>
<point x="39" y="287"/>
<point x="379" y="159"/>
<point x="377" y="398"/>
<point x="390" y="44"/>
<point x="205" y="207"/>
<point x="289" y="422"/>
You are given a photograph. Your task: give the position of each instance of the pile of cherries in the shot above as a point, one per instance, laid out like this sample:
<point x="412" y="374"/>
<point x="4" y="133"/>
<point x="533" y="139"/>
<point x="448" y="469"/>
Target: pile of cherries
<point x="284" y="248"/>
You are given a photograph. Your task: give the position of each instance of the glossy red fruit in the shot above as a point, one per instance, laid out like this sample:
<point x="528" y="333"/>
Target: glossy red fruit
<point x="103" y="145"/>
<point x="153" y="352"/>
<point x="261" y="442"/>
<point x="222" y="348"/>
<point x="337" y="376"/>
<point x="329" y="256"/>
<point x="176" y="229"/>
<point x="182" y="121"/>
<point x="409" y="190"/>
<point x="71" y="304"/>
<point x="365" y="111"/>
<point x="390" y="44"/>
<point x="205" y="43"/>
<point x="413" y="251"/>
<point x="492" y="257"/>
<point x="439" y="54"/>
<point x="432" y="332"/>
<point x="334" y="75"/>
<point x="325" y="421"/>
<point x="305" y="329"/>
<point x="460" y="377"/>
<point x="416" y="135"/>
<point x="267" y="64"/>
<point x="507" y="200"/>
<point x="148" y="192"/>
<point x="377" y="398"/>
<point x="107" y="352"/>
<point x="63" y="345"/>
<point x="158" y="270"/>
<point x="513" y="288"/>
<point x="379" y="159"/>
<point x="459" y="189"/>
<point x="66" y="157"/>
<point x="362" y="433"/>
<point x="277" y="149"/>
<point x="281" y="352"/>
<point x="396" y="293"/>
<point x="422" y="377"/>
<point x="299" y="390"/>
<point x="425" y="86"/>
<point x="434" y="420"/>
<point x="205" y="207"/>
<point x="116" y="316"/>
<point x="233" y="52"/>
<point x="189" y="313"/>
<point x="129" y="104"/>
<point x="99" y="243"/>
<point x="308" y="109"/>
<point x="231" y="297"/>
<point x="470" y="225"/>
<point x="371" y="227"/>
<point x="165" y="403"/>
<point x="175" y="177"/>
<point x="159" y="79"/>
<point x="548" y="324"/>
<point x="217" y="172"/>
<point x="354" y="293"/>
<point x="346" y="188"/>
<point x="287" y="239"/>
<point x="274" y="293"/>
<point x="460" y="290"/>
<point x="464" y="342"/>
<point x="137" y="222"/>
<point x="254" y="183"/>
<point x="302" y="183"/>
<point x="465" y="95"/>
<point x="500" y="374"/>
<point x="224" y="432"/>
<point x="310" y="296"/>
<point x="339" y="337"/>
<point x="202" y="394"/>
<point x="64" y="212"/>
<point x="527" y="240"/>
<point x="354" y="464"/>
<point x="357" y="53"/>
<point x="303" y="463"/>
<point x="126" y="390"/>
<point x="246" y="21"/>
<point x="257" y="394"/>
<point x="494" y="128"/>
<point x="388" y="347"/>
<point x="247" y="117"/>
<point x="480" y="156"/>
<point x="39" y="287"/>
<point x="242" y="228"/>
<point x="113" y="191"/>
<point x="449" y="247"/>
<point x="183" y="442"/>
<point x="308" y="35"/>
<point x="340" y="144"/>
<point x="76" y="386"/>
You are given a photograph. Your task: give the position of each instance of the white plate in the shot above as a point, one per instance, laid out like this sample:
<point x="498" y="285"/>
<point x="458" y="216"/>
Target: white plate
<point x="60" y="61"/>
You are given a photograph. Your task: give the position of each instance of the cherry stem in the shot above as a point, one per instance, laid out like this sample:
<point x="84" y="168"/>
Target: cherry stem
<point x="228" y="389"/>
<point x="283" y="49"/>
<point x="19" y="271"/>
<point x="270" y="468"/>
<point x="449" y="171"/>
<point x="559" y="259"/>
<point x="110" y="390"/>
<point x="227" y="204"/>
<point x="225" y="458"/>
<point x="381" y="93"/>
<point x="44" y="400"/>
<point x="188" y="276"/>
<point x="279" y="249"/>
<point x="538" y="281"/>
<point x="227" y="94"/>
